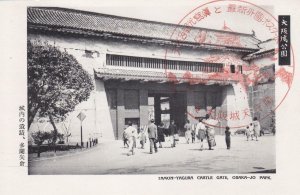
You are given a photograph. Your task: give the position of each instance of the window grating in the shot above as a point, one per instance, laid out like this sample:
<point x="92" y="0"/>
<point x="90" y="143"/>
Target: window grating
<point x="154" y="63"/>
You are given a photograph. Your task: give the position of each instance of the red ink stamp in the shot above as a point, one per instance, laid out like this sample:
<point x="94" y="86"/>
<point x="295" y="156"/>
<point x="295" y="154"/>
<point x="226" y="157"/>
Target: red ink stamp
<point x="237" y="61"/>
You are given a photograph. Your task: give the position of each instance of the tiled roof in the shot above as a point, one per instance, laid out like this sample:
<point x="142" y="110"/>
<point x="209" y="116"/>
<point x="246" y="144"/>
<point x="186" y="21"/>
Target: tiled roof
<point x="266" y="47"/>
<point x="164" y="76"/>
<point x="101" y="23"/>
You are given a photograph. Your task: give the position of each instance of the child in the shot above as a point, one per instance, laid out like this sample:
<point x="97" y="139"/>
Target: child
<point x="251" y="129"/>
<point x="193" y="135"/>
<point x="142" y="138"/>
<point x="248" y="133"/>
<point x="125" y="139"/>
<point x="201" y="129"/>
<point x="188" y="131"/>
<point x="227" y="137"/>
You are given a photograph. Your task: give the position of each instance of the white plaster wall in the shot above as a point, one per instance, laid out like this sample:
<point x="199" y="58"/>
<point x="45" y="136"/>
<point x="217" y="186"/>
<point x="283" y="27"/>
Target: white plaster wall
<point x="104" y="46"/>
<point x="98" y="122"/>
<point x="266" y="61"/>
<point x="103" y="119"/>
<point x="235" y="100"/>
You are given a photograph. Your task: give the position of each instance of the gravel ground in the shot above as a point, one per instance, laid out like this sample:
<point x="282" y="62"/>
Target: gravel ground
<point x="111" y="158"/>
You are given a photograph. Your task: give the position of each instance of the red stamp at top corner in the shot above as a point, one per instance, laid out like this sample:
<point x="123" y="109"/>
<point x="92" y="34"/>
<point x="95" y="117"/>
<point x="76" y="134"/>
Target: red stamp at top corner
<point x="243" y="37"/>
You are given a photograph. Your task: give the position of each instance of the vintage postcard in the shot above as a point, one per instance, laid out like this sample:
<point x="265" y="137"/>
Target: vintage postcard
<point x="121" y="95"/>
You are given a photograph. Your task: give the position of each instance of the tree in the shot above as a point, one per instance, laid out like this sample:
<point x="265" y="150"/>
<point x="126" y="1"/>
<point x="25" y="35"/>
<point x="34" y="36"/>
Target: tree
<point x="61" y="138"/>
<point x="56" y="82"/>
<point x="66" y="130"/>
<point x="39" y="137"/>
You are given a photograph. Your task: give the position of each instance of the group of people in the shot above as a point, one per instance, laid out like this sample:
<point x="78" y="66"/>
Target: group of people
<point x="204" y="130"/>
<point x="155" y="134"/>
<point x="253" y="130"/>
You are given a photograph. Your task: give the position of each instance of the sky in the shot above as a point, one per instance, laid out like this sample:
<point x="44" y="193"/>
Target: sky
<point x="176" y="12"/>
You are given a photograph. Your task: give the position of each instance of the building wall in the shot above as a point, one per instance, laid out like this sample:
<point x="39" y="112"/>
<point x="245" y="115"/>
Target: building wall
<point x="183" y="95"/>
<point x="262" y="95"/>
<point x="100" y="121"/>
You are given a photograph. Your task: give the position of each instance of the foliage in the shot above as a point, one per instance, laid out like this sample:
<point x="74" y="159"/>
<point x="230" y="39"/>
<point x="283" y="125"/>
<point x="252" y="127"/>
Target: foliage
<point x="60" y="137"/>
<point x="39" y="137"/>
<point x="56" y="82"/>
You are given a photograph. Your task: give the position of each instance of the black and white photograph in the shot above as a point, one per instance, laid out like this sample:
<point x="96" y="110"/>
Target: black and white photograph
<point x="110" y="94"/>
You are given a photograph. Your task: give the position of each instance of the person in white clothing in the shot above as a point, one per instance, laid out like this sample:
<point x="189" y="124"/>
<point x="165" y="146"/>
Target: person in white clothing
<point x="256" y="126"/>
<point x="131" y="135"/>
<point x="251" y="130"/>
<point x="201" y="132"/>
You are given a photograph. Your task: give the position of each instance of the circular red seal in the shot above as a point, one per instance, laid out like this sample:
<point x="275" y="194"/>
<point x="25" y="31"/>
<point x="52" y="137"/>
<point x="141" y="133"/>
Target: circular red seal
<point x="214" y="33"/>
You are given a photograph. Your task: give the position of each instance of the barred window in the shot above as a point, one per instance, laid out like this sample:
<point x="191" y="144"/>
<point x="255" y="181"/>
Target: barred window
<point x="154" y="63"/>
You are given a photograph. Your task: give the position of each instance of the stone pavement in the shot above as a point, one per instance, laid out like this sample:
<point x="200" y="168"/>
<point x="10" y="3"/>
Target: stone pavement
<point x="111" y="158"/>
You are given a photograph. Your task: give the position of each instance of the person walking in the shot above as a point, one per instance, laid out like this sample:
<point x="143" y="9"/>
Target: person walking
<point x="125" y="140"/>
<point x="193" y="133"/>
<point x="160" y="134"/>
<point x="188" y="131"/>
<point x="248" y="133"/>
<point x="201" y="129"/>
<point x="210" y="131"/>
<point x="131" y="134"/>
<point x="256" y="127"/>
<point x="142" y="137"/>
<point x="152" y="134"/>
<point x="251" y="130"/>
<point x="227" y="137"/>
<point x="174" y="133"/>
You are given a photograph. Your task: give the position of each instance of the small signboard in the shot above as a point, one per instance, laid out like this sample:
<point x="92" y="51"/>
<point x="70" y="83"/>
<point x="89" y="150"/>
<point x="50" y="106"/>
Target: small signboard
<point x="81" y="116"/>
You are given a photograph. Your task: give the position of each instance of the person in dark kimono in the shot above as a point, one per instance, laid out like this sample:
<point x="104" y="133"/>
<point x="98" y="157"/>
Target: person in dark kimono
<point x="227" y="137"/>
<point x="160" y="134"/>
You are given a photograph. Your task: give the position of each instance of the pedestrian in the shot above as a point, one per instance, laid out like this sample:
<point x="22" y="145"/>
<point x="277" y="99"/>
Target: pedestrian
<point x="256" y="128"/>
<point x="160" y="134"/>
<point x="210" y="131"/>
<point x="201" y="129"/>
<point x="188" y="131"/>
<point x="131" y="134"/>
<point x="174" y="133"/>
<point x="251" y="130"/>
<point x="227" y="137"/>
<point x="193" y="133"/>
<point x="248" y="133"/>
<point x="152" y="134"/>
<point x="125" y="139"/>
<point x="135" y="136"/>
<point x="142" y="138"/>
